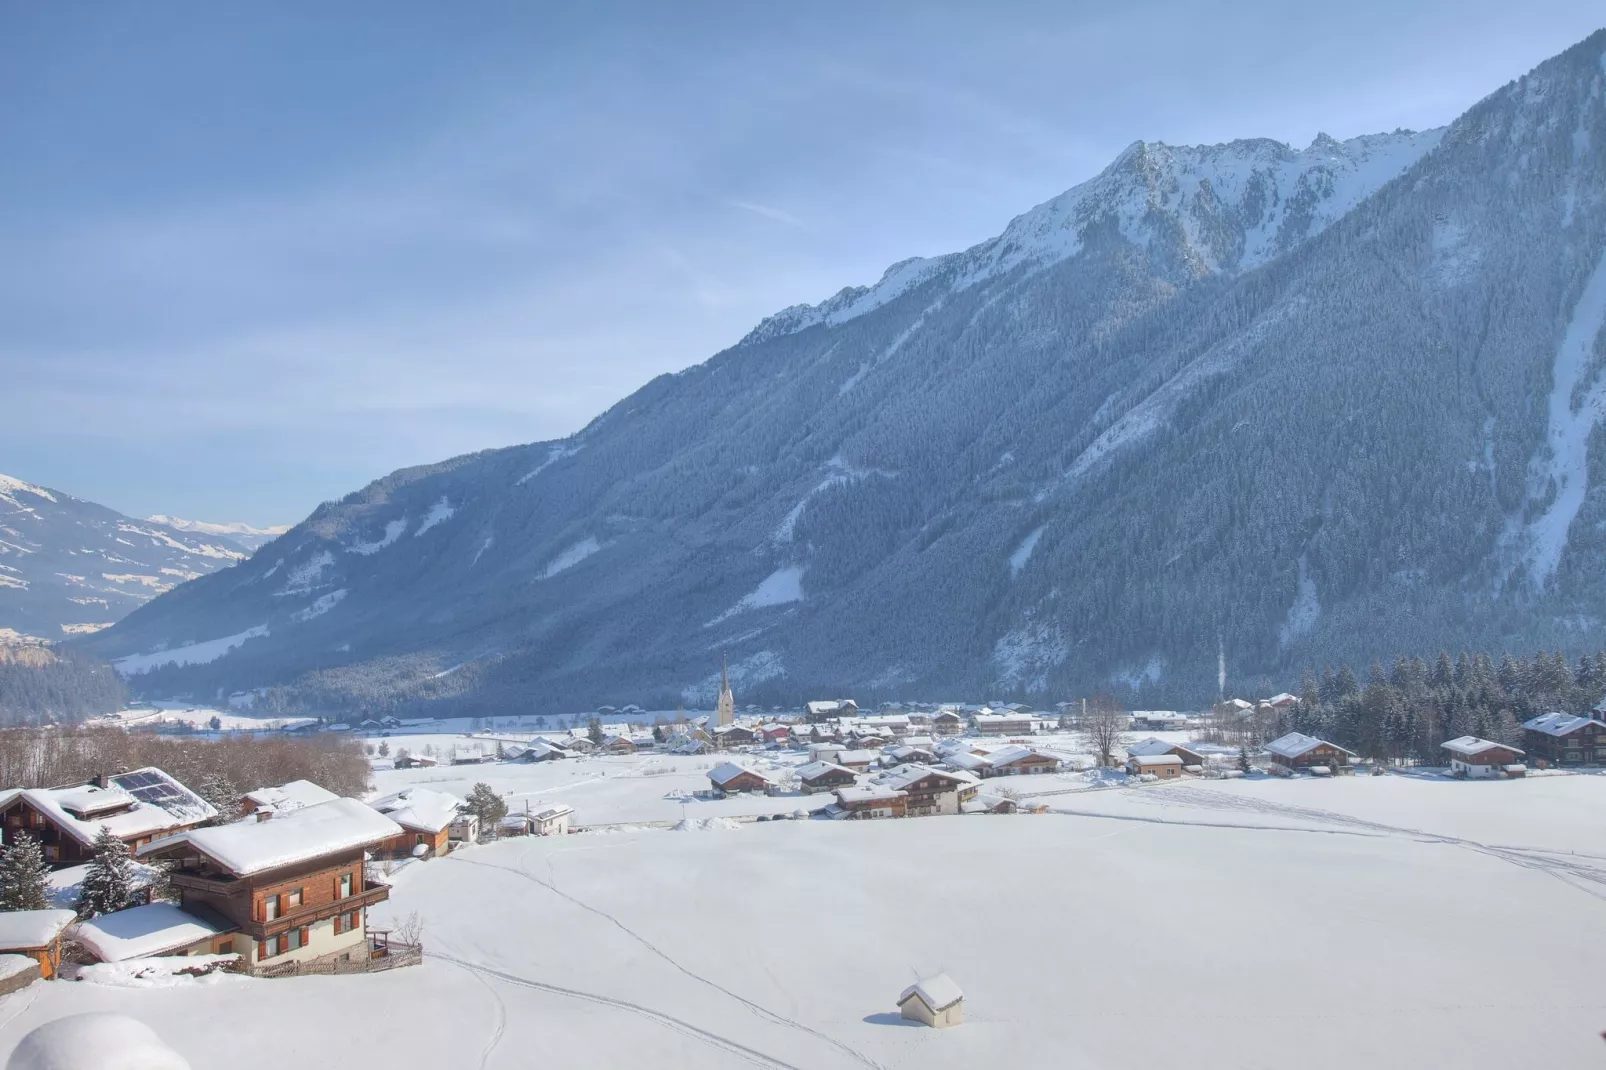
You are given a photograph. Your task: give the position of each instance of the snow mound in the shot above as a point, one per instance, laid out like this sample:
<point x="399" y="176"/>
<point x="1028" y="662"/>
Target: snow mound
<point x="705" y="824"/>
<point x="161" y="972"/>
<point x="97" y="1041"/>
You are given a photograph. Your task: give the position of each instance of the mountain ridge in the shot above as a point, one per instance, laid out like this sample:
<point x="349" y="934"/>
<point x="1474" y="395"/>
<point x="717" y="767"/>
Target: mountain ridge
<point x="1182" y="408"/>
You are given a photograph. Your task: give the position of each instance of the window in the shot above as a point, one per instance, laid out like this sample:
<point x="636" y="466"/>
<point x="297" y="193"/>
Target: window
<point x="293" y="899"/>
<point x="344" y="888"/>
<point x="293" y="939"/>
<point x="270" y="907"/>
<point x="345" y="923"/>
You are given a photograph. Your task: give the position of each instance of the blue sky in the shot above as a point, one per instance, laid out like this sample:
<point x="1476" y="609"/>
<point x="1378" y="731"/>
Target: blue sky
<point x="258" y="255"/>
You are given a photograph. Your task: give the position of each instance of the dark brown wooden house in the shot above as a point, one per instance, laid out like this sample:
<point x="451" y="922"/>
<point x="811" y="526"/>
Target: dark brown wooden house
<point x="137" y="807"/>
<point x="1565" y="739"/>
<point x="1299" y="751"/>
<point x="292" y="886"/>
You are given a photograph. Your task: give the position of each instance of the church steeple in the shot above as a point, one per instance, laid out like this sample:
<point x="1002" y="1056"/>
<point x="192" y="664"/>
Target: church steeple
<point x="726" y="712"/>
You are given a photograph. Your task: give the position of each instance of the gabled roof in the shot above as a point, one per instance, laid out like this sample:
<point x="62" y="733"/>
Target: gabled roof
<point x="818" y="769"/>
<point x="1157" y="759"/>
<point x="311" y="832"/>
<point x="725" y="772"/>
<point x="1297" y="744"/>
<point x="554" y="811"/>
<point x="1014" y="753"/>
<point x="867" y="793"/>
<point x="1155" y="746"/>
<point x="938" y="993"/>
<point x="864" y="757"/>
<point x="23" y="929"/>
<point x="291" y="796"/>
<point x="901" y="778"/>
<point x="143" y="932"/>
<point x="420" y="809"/>
<point x="1471" y="745"/>
<point x="150" y="802"/>
<point x="1559" y="724"/>
<point x="964" y="760"/>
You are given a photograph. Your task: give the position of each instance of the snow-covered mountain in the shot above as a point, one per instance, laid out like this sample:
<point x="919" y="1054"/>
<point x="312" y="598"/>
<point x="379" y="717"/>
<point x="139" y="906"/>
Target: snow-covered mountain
<point x="70" y="567"/>
<point x="1306" y="405"/>
<point x="248" y="538"/>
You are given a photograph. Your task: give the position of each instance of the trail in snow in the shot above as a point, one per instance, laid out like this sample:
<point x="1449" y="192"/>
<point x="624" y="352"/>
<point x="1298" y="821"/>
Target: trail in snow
<point x="1568" y="435"/>
<point x="1574" y="870"/>
<point x="762" y="1012"/>
<point x="679" y="1025"/>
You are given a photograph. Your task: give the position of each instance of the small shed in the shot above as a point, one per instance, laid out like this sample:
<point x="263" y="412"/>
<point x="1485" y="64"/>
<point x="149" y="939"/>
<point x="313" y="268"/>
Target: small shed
<point x="551" y="821"/>
<point x="936" y="1001"/>
<point x="36" y="934"/>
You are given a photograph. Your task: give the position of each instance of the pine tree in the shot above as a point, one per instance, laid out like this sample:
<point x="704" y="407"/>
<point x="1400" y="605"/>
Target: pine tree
<point x="1243" y="760"/>
<point x="384" y="749"/>
<point x="485" y="804"/>
<point x="109" y="880"/>
<point x="24" y="876"/>
<point x="595" y="733"/>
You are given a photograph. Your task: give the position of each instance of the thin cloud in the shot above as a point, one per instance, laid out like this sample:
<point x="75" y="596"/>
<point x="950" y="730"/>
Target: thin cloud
<point x="770" y="213"/>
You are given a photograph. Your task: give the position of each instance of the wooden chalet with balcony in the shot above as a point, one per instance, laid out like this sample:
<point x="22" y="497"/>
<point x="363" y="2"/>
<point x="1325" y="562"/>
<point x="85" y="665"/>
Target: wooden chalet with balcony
<point x="1297" y="752"/>
<point x="1565" y="739"/>
<point x="729" y="777"/>
<point x="426" y="817"/>
<point x="137" y="807"/>
<point x="930" y="791"/>
<point x="1481" y="758"/>
<point x="824" y="776"/>
<point x="292" y="887"/>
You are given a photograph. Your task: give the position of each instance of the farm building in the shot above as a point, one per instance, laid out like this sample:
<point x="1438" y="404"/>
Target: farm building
<point x="823" y="776"/>
<point x="870" y="801"/>
<point x="936" y="1002"/>
<point x="1164" y="766"/>
<point x="35" y="934"/>
<point x="1563" y="739"/>
<point x="930" y="791"/>
<point x="1297" y="751"/>
<point x="1019" y="761"/>
<point x="1152" y="747"/>
<point x="156" y="929"/>
<point x="1474" y="757"/>
<point x="730" y="777"/>
<point x="425" y="816"/>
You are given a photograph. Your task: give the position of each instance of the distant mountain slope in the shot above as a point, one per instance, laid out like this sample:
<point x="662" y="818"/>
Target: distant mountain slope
<point x="68" y="566"/>
<point x="245" y="536"/>
<point x="1304" y="405"/>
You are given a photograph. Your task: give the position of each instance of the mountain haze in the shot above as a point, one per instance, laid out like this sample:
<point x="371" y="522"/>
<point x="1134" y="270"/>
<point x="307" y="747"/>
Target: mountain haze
<point x="69" y="566"/>
<point x="1300" y="405"/>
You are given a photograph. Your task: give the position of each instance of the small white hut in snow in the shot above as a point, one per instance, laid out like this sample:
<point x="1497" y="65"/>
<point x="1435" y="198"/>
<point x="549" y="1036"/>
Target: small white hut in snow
<point x="936" y="1001"/>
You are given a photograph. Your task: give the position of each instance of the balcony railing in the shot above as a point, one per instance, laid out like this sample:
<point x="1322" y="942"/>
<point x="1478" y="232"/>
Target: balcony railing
<point x="317" y="912"/>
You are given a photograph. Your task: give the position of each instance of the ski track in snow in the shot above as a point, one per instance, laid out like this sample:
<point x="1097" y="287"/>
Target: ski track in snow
<point x="1568" y="437"/>
<point x="761" y="1011"/>
<point x="1574" y="870"/>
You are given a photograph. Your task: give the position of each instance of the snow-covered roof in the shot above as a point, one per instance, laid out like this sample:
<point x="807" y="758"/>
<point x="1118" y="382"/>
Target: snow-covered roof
<point x="419" y="809"/>
<point x="299" y="836"/>
<point x="143" y="932"/>
<point x="1153" y="746"/>
<point x="1157" y="759"/>
<point x="291" y="796"/>
<point x="938" y="993"/>
<point x="1559" y="724"/>
<point x="867" y="793"/>
<point x="149" y="801"/>
<point x="1014" y="753"/>
<point x="1003" y="718"/>
<point x="65" y="886"/>
<point x="725" y="772"/>
<point x="861" y="757"/>
<point x="1296" y="744"/>
<point x="1472" y="745"/>
<point x="962" y="759"/>
<point x="32" y="928"/>
<point x="551" y="812"/>
<point x="815" y="769"/>
<point x="905" y="775"/>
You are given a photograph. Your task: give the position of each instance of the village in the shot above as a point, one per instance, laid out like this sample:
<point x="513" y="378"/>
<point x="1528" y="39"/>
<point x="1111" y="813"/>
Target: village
<point x="283" y="885"/>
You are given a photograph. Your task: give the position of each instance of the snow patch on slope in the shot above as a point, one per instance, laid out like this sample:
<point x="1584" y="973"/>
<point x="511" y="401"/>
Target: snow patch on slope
<point x="1023" y="552"/>
<point x="571" y="557"/>
<point x="1564" y="460"/>
<point x="1305" y="611"/>
<point x="303" y="577"/>
<point x="780" y="587"/>
<point x="751" y="670"/>
<point x="320" y="605"/>
<point x="190" y="654"/>
<point x="440" y="511"/>
<point x="10" y="488"/>
<point x="393" y="531"/>
<point x="555" y="454"/>
<point x="1025" y="655"/>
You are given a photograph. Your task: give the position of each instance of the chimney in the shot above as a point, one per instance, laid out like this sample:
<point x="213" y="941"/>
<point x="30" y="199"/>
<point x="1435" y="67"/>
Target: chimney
<point x="102" y="781"/>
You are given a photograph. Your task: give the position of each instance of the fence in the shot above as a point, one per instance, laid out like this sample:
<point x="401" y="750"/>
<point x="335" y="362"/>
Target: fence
<point x="397" y="956"/>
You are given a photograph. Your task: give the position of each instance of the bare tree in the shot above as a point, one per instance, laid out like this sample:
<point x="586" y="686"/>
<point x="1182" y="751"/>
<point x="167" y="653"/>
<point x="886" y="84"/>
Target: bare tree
<point x="1104" y="728"/>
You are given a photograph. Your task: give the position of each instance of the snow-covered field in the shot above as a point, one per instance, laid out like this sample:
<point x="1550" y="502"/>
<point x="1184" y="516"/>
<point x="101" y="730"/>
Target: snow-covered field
<point x="1328" y="923"/>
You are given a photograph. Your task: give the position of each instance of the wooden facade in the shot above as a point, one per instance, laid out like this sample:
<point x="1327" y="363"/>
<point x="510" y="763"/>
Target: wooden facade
<point x="1583" y="745"/>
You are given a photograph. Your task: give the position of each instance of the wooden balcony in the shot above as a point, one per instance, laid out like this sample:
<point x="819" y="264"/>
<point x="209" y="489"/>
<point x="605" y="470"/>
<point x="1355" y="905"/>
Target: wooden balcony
<point x="306" y="915"/>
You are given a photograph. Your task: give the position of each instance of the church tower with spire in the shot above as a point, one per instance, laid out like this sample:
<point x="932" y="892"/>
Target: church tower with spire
<point x="727" y="701"/>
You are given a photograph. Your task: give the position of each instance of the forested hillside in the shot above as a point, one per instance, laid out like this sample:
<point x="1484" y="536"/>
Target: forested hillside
<point x="39" y="684"/>
<point x="1300" y="406"/>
